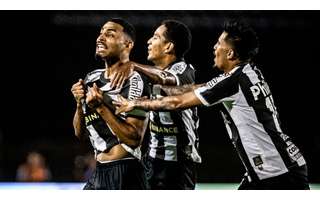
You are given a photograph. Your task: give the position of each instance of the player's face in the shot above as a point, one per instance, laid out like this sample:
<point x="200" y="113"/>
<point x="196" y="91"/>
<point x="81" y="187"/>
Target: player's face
<point x="111" y="41"/>
<point x="221" y="50"/>
<point x="157" y="45"/>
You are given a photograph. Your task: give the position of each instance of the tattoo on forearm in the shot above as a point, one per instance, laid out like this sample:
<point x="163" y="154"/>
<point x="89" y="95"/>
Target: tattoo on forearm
<point x="156" y="75"/>
<point x="177" y="90"/>
<point x="164" y="103"/>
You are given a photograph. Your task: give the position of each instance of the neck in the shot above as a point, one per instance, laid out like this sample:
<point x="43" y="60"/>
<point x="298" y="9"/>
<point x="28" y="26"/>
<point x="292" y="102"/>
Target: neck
<point x="112" y="64"/>
<point x="231" y="65"/>
<point x="165" y="62"/>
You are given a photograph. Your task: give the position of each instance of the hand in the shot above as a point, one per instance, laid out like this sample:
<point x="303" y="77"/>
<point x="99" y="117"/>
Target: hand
<point x="78" y="91"/>
<point x="123" y="105"/>
<point x="94" y="97"/>
<point x="123" y="72"/>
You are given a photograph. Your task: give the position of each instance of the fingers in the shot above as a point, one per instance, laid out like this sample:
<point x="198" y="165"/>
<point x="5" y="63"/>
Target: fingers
<point x="78" y="91"/>
<point x="93" y="91"/>
<point x="94" y="96"/>
<point x="120" y="104"/>
<point x="121" y="82"/>
<point x="120" y="98"/>
<point x="119" y="110"/>
<point x="115" y="79"/>
<point x="118" y="80"/>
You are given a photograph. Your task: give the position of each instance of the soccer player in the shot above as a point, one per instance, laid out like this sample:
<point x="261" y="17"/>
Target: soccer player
<point x="271" y="159"/>
<point x="172" y="143"/>
<point x="115" y="139"/>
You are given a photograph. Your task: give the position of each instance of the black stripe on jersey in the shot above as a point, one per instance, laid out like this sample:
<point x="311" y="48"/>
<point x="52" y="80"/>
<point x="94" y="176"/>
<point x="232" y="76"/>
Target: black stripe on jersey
<point x="137" y="113"/>
<point x="225" y="88"/>
<point x="160" y="152"/>
<point x="236" y="141"/>
<point x="105" y="133"/>
<point x="187" y="77"/>
<point x="195" y="118"/>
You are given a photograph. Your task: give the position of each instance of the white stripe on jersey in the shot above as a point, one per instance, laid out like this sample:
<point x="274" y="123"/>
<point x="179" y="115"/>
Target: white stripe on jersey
<point x="190" y="127"/>
<point x="169" y="146"/>
<point x="136" y="86"/>
<point x="198" y="92"/>
<point x="97" y="142"/>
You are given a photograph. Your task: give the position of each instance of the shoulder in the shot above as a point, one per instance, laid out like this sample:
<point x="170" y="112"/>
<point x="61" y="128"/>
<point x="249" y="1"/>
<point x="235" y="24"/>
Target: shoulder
<point x="180" y="68"/>
<point x="93" y="75"/>
<point x="137" y="85"/>
<point x="135" y="76"/>
<point x="139" y="77"/>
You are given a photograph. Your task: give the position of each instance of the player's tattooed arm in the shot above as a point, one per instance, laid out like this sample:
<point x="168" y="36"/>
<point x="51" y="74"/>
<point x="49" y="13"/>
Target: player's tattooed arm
<point x="156" y="75"/>
<point x="183" y="101"/>
<point x="177" y="90"/>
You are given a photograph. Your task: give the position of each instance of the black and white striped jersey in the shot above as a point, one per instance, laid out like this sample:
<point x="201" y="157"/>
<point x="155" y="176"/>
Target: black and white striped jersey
<point x="101" y="136"/>
<point x="173" y="135"/>
<point x="252" y="122"/>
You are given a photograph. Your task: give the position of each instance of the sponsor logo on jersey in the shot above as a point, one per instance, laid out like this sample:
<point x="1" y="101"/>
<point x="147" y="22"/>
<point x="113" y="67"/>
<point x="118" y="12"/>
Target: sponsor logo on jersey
<point x="90" y="118"/>
<point x="294" y="152"/>
<point x="136" y="86"/>
<point x="258" y="162"/>
<point x="162" y="129"/>
<point x="178" y="68"/>
<point x="215" y="80"/>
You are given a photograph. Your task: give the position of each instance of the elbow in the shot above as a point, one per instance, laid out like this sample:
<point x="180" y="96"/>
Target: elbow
<point x="133" y="140"/>
<point x="167" y="81"/>
<point x="133" y="143"/>
<point x="78" y="135"/>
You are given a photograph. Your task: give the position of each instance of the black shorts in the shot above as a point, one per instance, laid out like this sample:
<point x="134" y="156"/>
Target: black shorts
<point x="295" y="179"/>
<point x="169" y="175"/>
<point x="118" y="175"/>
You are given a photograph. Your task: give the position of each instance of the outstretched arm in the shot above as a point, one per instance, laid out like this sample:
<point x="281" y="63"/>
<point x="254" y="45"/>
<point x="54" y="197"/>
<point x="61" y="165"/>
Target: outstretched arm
<point x="157" y="76"/>
<point x="177" y="90"/>
<point x="183" y="101"/>
<point x="129" y="131"/>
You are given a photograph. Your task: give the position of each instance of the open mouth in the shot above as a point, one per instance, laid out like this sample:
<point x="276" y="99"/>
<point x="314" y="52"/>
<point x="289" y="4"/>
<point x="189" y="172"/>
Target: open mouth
<point x="100" y="46"/>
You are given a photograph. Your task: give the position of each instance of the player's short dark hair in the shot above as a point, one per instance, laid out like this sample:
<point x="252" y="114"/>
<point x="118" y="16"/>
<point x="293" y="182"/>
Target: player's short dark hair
<point x="243" y="39"/>
<point x="127" y="27"/>
<point x="179" y="34"/>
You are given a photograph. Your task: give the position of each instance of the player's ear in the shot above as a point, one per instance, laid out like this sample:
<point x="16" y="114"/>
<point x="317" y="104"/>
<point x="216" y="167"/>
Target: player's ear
<point x="231" y="54"/>
<point x="129" y="44"/>
<point x="169" y="47"/>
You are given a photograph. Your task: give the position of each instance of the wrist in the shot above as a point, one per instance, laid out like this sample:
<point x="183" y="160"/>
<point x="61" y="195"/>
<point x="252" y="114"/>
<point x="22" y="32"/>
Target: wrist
<point x="79" y="105"/>
<point x="95" y="105"/>
<point x="135" y="103"/>
<point x="100" y="108"/>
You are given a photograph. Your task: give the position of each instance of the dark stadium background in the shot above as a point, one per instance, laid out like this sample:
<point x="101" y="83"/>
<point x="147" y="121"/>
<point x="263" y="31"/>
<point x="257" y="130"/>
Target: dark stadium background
<point x="44" y="52"/>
